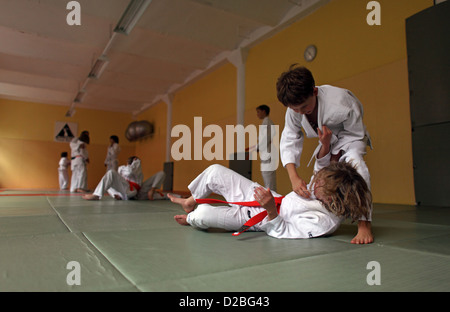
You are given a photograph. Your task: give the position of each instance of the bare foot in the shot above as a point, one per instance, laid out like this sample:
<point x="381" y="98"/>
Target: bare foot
<point x="117" y="197"/>
<point x="364" y="235"/>
<point x="188" y="204"/>
<point x="90" y="197"/>
<point x="181" y="219"/>
<point x="78" y="190"/>
<point x="150" y="194"/>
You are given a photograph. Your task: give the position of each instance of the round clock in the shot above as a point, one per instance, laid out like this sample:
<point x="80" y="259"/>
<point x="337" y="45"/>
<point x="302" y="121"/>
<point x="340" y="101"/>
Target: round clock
<point x="310" y="53"/>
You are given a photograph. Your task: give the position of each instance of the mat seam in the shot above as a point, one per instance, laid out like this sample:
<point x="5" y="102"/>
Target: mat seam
<point x="112" y="264"/>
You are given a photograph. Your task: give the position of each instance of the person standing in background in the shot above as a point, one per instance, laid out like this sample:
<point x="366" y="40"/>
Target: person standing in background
<point x="63" y="173"/>
<point x="111" y="161"/>
<point x="80" y="157"/>
<point x="265" y="146"/>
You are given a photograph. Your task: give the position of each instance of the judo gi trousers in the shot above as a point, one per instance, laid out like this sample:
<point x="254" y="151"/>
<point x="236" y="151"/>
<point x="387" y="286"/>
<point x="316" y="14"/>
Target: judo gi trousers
<point x="79" y="177"/>
<point x="63" y="176"/>
<point x="115" y="184"/>
<point x="234" y="188"/>
<point x="354" y="155"/>
<point x="155" y="181"/>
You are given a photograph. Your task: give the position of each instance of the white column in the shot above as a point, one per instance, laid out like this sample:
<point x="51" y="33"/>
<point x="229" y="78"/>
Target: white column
<point x="238" y="59"/>
<point x="168" y="98"/>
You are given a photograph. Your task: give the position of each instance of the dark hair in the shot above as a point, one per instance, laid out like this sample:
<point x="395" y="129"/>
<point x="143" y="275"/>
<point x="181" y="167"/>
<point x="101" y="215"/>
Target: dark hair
<point x="131" y="159"/>
<point x="295" y="86"/>
<point x="264" y="108"/>
<point x="350" y="196"/>
<point x="84" y="137"/>
<point x="64" y="154"/>
<point x="115" y="138"/>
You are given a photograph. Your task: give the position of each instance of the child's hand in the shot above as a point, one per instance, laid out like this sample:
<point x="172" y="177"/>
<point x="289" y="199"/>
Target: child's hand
<point x="324" y="135"/>
<point x="265" y="199"/>
<point x="299" y="186"/>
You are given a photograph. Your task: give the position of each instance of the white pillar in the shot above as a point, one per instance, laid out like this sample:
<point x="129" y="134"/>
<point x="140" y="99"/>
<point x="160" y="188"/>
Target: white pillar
<point x="168" y="98"/>
<point x="238" y="59"/>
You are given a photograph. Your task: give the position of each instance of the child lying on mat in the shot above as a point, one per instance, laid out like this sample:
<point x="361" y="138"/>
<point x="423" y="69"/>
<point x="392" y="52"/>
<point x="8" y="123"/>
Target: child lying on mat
<point x="339" y="189"/>
<point x="339" y="192"/>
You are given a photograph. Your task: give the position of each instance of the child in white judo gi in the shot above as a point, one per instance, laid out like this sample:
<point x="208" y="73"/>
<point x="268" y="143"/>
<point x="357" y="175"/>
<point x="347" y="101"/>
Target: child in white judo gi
<point x="265" y="146"/>
<point x="149" y="189"/>
<point x="126" y="183"/>
<point x="80" y="157"/>
<point x="298" y="217"/>
<point x="312" y="107"/>
<point x="63" y="173"/>
<point x="111" y="161"/>
<point x="146" y="190"/>
<point x="339" y="192"/>
<point x="122" y="184"/>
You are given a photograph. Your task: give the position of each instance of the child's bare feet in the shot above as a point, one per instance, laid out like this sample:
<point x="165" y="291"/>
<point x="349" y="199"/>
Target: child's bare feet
<point x="90" y="197"/>
<point x="364" y="235"/>
<point x="181" y="219"/>
<point x="188" y="204"/>
<point x="150" y="194"/>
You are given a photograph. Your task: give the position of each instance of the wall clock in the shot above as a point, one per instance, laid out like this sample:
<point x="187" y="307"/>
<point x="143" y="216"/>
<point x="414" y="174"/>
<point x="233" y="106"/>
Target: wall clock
<point x="310" y="53"/>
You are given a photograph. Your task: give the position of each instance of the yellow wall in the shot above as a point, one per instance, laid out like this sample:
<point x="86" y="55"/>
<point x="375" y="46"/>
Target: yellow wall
<point x="29" y="155"/>
<point x="214" y="99"/>
<point x="152" y="149"/>
<point x="369" y="60"/>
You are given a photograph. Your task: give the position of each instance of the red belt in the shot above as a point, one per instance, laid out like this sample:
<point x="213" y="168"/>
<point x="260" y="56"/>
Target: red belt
<point x="254" y="220"/>
<point x="134" y="185"/>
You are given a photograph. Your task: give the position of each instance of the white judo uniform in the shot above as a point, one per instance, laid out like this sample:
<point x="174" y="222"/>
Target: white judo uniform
<point x="63" y="173"/>
<point x="155" y="181"/>
<point x="117" y="183"/>
<point x="342" y="113"/>
<point x="111" y="161"/>
<point x="298" y="217"/>
<point x="78" y="165"/>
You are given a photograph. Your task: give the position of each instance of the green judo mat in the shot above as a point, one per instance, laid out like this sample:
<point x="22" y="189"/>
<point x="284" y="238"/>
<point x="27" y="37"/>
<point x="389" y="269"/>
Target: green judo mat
<point x="60" y="242"/>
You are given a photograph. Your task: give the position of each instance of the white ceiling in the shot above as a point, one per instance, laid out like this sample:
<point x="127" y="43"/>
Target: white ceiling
<point x="44" y="60"/>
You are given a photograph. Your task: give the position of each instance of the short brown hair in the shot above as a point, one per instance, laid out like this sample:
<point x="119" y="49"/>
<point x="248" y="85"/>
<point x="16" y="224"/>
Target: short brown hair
<point x="84" y="137"/>
<point x="350" y="196"/>
<point x="295" y="86"/>
<point x="264" y="108"/>
<point x="131" y="159"/>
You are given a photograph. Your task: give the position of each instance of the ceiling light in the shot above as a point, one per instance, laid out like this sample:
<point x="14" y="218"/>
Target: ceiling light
<point x="70" y="112"/>
<point x="80" y="96"/>
<point x="131" y="16"/>
<point x="99" y="67"/>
